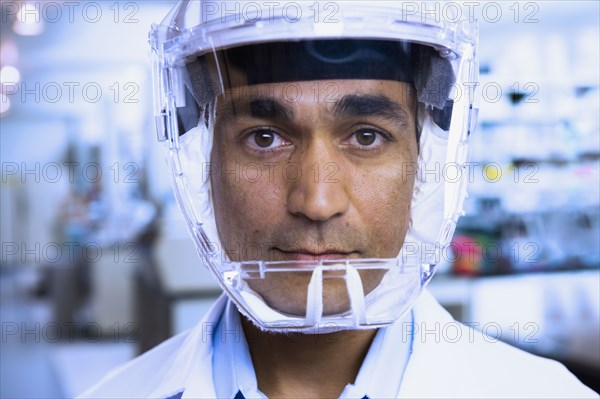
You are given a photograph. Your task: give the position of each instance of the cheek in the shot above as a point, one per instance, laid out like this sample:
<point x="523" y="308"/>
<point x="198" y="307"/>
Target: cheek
<point x="247" y="202"/>
<point x="383" y="202"/>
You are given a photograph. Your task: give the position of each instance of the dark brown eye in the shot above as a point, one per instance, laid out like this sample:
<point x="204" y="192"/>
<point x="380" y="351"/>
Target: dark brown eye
<point x="366" y="137"/>
<point x="264" y="139"/>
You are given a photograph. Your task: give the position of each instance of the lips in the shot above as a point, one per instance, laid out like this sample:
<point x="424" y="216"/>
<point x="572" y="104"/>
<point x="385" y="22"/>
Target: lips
<point x="304" y="255"/>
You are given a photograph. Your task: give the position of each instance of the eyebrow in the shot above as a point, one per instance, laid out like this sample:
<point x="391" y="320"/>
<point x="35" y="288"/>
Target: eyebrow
<point x="270" y="108"/>
<point x="376" y="105"/>
<point x="259" y="107"/>
<point x="351" y="105"/>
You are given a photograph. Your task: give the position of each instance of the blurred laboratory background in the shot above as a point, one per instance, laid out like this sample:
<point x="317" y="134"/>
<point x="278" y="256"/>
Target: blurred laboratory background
<point x="97" y="267"/>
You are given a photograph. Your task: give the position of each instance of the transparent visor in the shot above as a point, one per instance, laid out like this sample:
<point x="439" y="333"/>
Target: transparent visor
<point x="298" y="165"/>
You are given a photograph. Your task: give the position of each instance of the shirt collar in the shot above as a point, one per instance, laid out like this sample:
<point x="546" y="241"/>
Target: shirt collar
<point x="380" y="375"/>
<point x="233" y="370"/>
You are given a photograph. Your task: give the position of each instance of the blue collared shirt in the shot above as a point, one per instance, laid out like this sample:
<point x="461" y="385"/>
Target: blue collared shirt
<point x="380" y="375"/>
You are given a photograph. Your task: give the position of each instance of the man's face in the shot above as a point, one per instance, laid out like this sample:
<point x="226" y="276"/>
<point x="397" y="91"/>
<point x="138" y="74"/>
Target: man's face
<point x="314" y="170"/>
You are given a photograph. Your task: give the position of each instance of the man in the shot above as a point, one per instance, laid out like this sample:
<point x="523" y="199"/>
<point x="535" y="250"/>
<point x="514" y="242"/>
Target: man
<point x="294" y="143"/>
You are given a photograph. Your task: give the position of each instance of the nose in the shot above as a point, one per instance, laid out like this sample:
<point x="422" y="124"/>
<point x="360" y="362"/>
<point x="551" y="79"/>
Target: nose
<point x="320" y="191"/>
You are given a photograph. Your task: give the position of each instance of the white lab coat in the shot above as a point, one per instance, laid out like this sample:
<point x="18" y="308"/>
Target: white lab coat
<point x="449" y="360"/>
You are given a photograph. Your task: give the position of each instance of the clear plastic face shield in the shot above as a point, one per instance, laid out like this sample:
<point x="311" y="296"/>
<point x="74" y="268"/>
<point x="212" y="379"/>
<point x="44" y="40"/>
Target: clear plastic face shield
<point x="319" y="159"/>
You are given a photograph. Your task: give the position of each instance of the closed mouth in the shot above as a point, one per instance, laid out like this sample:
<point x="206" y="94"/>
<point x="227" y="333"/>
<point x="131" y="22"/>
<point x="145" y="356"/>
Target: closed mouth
<point x="305" y="255"/>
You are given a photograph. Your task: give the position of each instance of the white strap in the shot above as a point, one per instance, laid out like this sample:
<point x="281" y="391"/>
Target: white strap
<point x="314" y="297"/>
<point x="356" y="294"/>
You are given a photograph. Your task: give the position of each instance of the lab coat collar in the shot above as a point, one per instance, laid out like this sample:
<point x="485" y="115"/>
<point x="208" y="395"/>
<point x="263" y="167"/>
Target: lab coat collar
<point x="199" y="382"/>
<point x="438" y="348"/>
